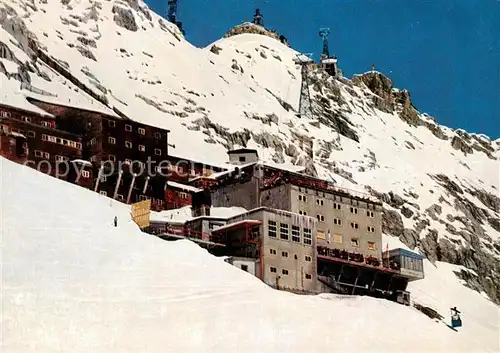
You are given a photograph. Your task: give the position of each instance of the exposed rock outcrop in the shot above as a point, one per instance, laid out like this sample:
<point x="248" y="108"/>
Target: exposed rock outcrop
<point x="124" y="18"/>
<point x="392" y="223"/>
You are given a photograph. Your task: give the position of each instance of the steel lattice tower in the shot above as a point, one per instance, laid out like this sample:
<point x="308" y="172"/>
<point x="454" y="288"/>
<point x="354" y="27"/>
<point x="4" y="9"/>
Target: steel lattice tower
<point x="305" y="103"/>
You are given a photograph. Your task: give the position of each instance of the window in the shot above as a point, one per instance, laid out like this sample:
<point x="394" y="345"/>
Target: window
<point x="271" y="229"/>
<point x="112" y="158"/>
<point x="372" y="245"/>
<point x="354" y="210"/>
<point x="336" y="206"/>
<point x="284" y="231"/>
<point x="143" y="197"/>
<point x="272" y="269"/>
<point x="242" y="159"/>
<point x="302" y="198"/>
<point x="142" y="148"/>
<point x="337" y="221"/>
<point x="285" y="272"/>
<point x="26" y="119"/>
<point x="355" y="242"/>
<point x="371" y="229"/>
<point x="128" y="127"/>
<point x="112" y="140"/>
<point x="85" y="174"/>
<point x="141" y="131"/>
<point x="5" y="114"/>
<point x="320" y="202"/>
<point x="284" y="254"/>
<point x="303" y="213"/>
<point x="321" y="218"/>
<point x="45" y="123"/>
<point x="120" y="197"/>
<point x="158" y="151"/>
<point x="244" y="267"/>
<point x="128" y="144"/>
<point x="93" y="141"/>
<point x="295" y="234"/>
<point x="31" y="134"/>
<point x="370" y="214"/>
<point x="308" y="258"/>
<point x="307" y="236"/>
<point x="354" y="225"/>
<point x="111" y="123"/>
<point x="183" y="195"/>
<point x="46" y="155"/>
<point x="308" y="276"/>
<point x="157" y="135"/>
<point x="61" y="158"/>
<point x="104" y="193"/>
<point x="38" y="153"/>
<point x="272" y="251"/>
<point x="337" y="238"/>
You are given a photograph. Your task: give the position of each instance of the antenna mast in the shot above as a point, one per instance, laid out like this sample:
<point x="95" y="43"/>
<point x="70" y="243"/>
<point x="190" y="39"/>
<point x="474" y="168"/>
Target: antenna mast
<point x="172" y="14"/>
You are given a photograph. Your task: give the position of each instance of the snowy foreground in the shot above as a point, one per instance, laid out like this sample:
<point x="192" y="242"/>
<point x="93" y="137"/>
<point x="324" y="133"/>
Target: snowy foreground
<point x="71" y="282"/>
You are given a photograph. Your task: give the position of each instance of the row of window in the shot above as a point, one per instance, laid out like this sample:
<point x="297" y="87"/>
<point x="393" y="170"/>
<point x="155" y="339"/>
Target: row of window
<point x="284" y="271"/>
<point x="27" y="119"/>
<point x="285" y="254"/>
<point x="336" y="206"/>
<point x="140" y="130"/>
<point x="128" y="144"/>
<point x="60" y="141"/>
<point x="284" y="234"/>
<point x="337" y="238"/>
<point x="120" y="197"/>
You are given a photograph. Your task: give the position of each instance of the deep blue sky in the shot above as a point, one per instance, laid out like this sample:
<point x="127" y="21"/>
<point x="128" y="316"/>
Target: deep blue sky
<point x="445" y="52"/>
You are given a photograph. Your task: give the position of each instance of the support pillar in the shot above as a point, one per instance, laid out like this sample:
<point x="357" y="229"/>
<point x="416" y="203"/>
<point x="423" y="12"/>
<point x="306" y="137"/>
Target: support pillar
<point x="98" y="178"/>
<point x="118" y="183"/>
<point x="355" y="281"/>
<point x="145" y="185"/>
<point x="131" y="187"/>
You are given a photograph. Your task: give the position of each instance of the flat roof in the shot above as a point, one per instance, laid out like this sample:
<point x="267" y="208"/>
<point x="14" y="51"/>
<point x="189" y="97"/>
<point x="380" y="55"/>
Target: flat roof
<point x="236" y="225"/>
<point x="242" y="150"/>
<point x="404" y="252"/>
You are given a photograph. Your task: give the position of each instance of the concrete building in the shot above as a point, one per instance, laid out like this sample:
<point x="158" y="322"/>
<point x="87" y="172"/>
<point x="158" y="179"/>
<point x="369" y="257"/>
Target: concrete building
<point x="243" y="156"/>
<point x="280" y="245"/>
<point x="345" y="219"/>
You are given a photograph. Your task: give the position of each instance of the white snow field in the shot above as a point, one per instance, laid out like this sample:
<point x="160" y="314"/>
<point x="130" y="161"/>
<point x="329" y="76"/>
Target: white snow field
<point x="71" y="282"/>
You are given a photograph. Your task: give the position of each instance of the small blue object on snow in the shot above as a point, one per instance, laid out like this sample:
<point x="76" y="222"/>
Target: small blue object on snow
<point x="456" y="321"/>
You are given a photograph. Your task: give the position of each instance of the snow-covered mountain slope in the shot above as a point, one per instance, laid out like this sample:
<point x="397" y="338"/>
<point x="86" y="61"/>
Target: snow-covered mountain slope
<point x="71" y="282"/>
<point x="440" y="186"/>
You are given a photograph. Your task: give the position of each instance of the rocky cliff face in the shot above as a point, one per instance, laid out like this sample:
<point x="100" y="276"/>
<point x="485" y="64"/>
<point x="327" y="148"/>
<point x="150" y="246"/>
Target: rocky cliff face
<point x="439" y="186"/>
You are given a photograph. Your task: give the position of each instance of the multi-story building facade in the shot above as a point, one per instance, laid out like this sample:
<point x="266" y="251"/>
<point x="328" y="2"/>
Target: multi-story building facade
<point x="347" y="220"/>
<point x="280" y="246"/>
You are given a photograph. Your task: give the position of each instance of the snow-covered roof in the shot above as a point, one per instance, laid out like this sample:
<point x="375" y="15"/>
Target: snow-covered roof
<point x="16" y="134"/>
<point x="188" y="188"/>
<point x="82" y="161"/>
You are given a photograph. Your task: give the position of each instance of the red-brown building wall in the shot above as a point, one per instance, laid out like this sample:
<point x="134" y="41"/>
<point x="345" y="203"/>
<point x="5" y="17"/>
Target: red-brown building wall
<point x="177" y="198"/>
